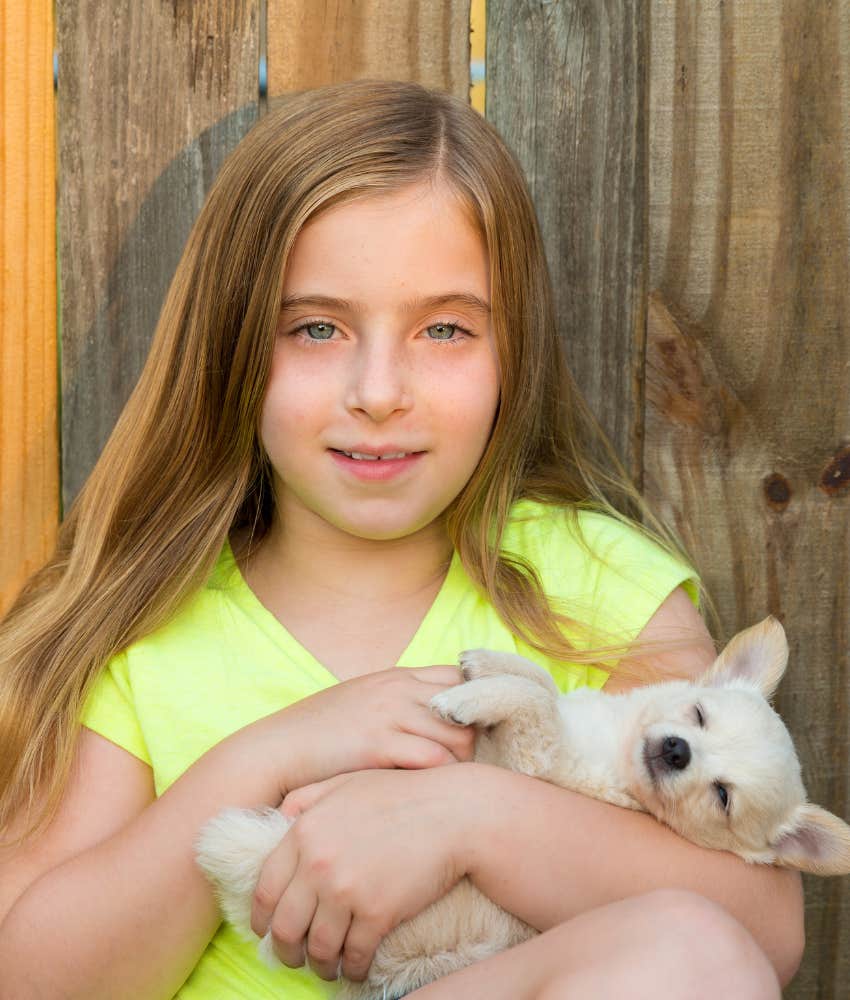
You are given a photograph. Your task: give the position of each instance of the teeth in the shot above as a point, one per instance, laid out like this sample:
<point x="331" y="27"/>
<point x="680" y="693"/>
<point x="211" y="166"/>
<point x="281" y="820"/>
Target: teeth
<point x="373" y="458"/>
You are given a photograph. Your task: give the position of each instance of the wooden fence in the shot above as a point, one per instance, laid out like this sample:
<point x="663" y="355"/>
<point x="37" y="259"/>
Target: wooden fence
<point x="689" y="161"/>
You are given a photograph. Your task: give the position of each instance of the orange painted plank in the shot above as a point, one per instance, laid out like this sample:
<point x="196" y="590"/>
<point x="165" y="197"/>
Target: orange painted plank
<point x="29" y="463"/>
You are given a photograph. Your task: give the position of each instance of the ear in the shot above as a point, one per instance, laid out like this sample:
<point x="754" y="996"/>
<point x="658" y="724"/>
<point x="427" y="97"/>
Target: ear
<point x="814" y="841"/>
<point x="758" y="654"/>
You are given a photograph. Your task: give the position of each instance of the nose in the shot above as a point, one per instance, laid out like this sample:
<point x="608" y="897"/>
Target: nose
<point x="675" y="752"/>
<point x="380" y="381"/>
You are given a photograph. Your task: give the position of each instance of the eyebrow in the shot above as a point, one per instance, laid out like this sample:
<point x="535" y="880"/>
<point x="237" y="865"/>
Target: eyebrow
<point x="412" y="305"/>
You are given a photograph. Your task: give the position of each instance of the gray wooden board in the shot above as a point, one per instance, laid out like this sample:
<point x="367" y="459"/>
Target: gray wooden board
<point x="748" y="357"/>
<point x="566" y="89"/>
<point x="151" y="98"/>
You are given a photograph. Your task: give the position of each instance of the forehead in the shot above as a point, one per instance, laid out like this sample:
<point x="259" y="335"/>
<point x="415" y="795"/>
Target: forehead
<point x="418" y="240"/>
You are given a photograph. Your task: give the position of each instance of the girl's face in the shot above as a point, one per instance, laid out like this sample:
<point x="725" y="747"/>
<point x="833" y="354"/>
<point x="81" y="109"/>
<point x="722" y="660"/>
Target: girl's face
<point x="384" y="348"/>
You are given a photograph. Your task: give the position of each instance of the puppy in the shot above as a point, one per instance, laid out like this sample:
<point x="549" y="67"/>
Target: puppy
<point x="712" y="760"/>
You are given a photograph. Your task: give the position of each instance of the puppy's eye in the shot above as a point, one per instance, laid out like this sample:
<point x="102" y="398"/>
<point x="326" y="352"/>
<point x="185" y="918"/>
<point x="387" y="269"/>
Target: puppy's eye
<point x="723" y="795"/>
<point x="700" y="716"/>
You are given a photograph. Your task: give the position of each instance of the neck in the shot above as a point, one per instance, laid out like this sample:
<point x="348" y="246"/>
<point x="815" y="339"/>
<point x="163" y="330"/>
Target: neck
<point x="305" y="548"/>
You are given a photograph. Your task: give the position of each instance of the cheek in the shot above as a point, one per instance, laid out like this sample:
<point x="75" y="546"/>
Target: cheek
<point x="292" y="398"/>
<point x="466" y="397"/>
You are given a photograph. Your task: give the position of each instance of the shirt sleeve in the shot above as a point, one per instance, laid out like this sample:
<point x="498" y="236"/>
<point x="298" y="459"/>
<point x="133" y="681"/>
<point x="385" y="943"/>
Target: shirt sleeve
<point x="110" y="711"/>
<point x="628" y="575"/>
<point x="609" y="578"/>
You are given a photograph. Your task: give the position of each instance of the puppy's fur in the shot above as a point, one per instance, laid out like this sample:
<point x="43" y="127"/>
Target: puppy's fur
<point x="712" y="760"/>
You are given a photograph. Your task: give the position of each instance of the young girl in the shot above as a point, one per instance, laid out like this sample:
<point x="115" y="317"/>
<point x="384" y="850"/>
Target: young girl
<point x="354" y="448"/>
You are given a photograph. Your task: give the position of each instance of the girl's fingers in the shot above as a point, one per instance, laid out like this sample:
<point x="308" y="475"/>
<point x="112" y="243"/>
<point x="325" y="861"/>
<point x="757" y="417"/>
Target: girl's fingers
<point x="275" y="876"/>
<point x="362" y="941"/>
<point x="305" y="797"/>
<point x="326" y="938"/>
<point x="458" y="740"/>
<point x="290" y="922"/>
<point x="440" y="676"/>
<point x="412" y="752"/>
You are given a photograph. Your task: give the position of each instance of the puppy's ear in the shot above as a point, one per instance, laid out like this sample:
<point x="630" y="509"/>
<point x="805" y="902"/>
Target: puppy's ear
<point x="758" y="654"/>
<point x="814" y="841"/>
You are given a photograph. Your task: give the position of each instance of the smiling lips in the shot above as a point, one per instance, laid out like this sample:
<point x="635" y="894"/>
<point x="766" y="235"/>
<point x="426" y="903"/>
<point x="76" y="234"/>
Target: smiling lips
<point x="375" y="466"/>
<point x="363" y="456"/>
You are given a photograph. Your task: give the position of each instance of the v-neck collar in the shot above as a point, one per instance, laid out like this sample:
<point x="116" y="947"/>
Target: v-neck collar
<point x="414" y="654"/>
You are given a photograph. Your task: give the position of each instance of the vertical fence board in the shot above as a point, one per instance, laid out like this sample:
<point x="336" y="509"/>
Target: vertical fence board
<point x="748" y="357"/>
<point x="152" y="97"/>
<point x="565" y="87"/>
<point x="312" y="44"/>
<point x="29" y="465"/>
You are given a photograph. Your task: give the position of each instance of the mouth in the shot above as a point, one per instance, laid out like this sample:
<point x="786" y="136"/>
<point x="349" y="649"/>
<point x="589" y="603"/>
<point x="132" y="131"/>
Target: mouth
<point x="387" y="464"/>
<point x="366" y="456"/>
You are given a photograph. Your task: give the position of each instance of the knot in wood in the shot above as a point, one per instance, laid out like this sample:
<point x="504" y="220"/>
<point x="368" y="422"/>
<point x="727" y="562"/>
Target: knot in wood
<point x="835" y="478"/>
<point x="777" y="491"/>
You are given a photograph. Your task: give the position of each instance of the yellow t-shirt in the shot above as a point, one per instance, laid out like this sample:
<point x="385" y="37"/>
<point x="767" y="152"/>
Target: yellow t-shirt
<point x="224" y="661"/>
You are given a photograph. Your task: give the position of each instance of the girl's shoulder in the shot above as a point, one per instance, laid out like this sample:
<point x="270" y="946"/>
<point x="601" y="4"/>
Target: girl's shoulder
<point x="604" y="568"/>
<point x="551" y="533"/>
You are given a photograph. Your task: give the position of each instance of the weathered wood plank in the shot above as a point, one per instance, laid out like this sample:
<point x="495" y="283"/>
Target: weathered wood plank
<point x="311" y="44"/>
<point x="29" y="444"/>
<point x="748" y="422"/>
<point x="565" y="87"/>
<point x="152" y="96"/>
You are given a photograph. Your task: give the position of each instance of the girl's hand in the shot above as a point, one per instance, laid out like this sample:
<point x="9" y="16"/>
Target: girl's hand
<point x="368" y="851"/>
<point x="379" y="720"/>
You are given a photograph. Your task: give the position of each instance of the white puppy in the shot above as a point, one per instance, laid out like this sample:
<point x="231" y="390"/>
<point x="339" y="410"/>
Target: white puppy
<point x="712" y="760"/>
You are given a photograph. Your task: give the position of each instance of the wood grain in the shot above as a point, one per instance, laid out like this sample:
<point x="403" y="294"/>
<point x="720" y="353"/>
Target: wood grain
<point x="566" y="88"/>
<point x="29" y="445"/>
<point x="311" y="44"/>
<point x="152" y="97"/>
<point x="748" y="359"/>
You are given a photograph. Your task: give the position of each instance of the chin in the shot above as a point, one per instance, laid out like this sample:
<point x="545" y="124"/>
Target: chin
<point x="381" y="529"/>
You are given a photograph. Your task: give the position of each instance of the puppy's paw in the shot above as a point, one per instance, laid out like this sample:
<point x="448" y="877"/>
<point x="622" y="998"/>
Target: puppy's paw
<point x="477" y="663"/>
<point x="456" y="705"/>
<point x="476" y="703"/>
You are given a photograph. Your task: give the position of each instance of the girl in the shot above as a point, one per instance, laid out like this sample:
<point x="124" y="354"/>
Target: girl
<point x="354" y="448"/>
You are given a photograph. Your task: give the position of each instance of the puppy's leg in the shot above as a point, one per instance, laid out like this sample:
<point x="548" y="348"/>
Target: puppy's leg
<point x="478" y="663"/>
<point x="518" y="718"/>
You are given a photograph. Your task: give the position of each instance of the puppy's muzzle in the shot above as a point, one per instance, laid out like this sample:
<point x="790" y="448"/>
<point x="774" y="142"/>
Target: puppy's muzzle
<point x="675" y="753"/>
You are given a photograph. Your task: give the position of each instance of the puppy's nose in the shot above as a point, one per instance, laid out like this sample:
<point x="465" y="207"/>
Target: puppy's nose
<point x="675" y="752"/>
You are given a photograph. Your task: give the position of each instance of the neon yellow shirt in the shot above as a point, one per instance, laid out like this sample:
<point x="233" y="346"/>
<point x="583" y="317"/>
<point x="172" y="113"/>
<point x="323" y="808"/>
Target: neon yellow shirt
<point x="224" y="661"/>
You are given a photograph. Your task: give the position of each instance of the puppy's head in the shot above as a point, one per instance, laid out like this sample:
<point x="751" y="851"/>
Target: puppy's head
<point x="716" y="763"/>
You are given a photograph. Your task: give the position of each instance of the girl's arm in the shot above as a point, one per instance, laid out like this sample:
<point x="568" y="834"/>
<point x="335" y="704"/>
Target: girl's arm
<point x="108" y="903"/>
<point x="548" y="854"/>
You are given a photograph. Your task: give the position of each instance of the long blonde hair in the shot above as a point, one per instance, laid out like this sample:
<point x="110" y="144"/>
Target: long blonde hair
<point x="183" y="466"/>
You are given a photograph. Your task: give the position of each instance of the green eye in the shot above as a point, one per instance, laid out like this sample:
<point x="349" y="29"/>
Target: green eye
<point x="326" y="331"/>
<point x="445" y="331"/>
